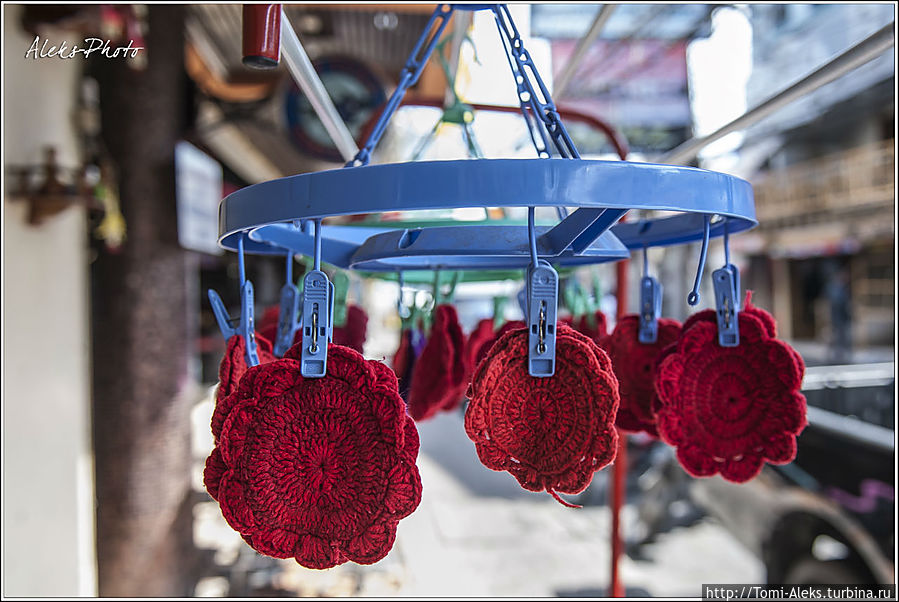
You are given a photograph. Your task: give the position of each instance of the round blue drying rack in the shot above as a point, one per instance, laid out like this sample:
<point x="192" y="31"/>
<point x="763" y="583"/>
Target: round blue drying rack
<point x="284" y="216"/>
<point x="270" y="215"/>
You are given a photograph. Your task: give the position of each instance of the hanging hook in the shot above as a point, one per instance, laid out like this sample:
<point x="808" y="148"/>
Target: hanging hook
<point x="318" y="312"/>
<point x="693" y="297"/>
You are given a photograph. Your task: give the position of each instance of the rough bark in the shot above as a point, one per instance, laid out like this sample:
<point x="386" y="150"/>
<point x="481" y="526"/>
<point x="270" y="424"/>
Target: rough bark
<point x="141" y="326"/>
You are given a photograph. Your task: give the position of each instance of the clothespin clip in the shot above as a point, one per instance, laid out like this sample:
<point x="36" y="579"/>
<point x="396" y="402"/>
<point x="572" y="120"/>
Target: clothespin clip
<point x="726" y="281"/>
<point x="317" y="303"/>
<point x="523" y="300"/>
<point x="318" y="313"/>
<point x="288" y="322"/>
<point x="650" y="305"/>
<point x="245" y="326"/>
<point x="542" y="304"/>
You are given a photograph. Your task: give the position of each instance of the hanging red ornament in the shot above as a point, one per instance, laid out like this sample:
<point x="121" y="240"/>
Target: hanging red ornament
<point x="478" y="344"/>
<point x="551" y="433"/>
<point x="267" y="325"/>
<point x="439" y="377"/>
<point x="320" y="469"/>
<point x="231" y="369"/>
<point x="634" y="364"/>
<point x="730" y="409"/>
<point x="352" y="333"/>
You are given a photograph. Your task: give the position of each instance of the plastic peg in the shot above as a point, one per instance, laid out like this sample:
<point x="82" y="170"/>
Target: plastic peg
<point x="246" y="328"/>
<point x="726" y="306"/>
<point x="316" y="318"/>
<point x="287" y="318"/>
<point x="650" y="309"/>
<point x="221" y="315"/>
<point x="542" y="299"/>
<point x="523" y="300"/>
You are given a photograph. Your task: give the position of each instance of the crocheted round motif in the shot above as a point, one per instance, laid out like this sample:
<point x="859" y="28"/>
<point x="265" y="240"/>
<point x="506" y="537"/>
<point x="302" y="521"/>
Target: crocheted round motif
<point x="439" y="376"/>
<point x="352" y="333"/>
<point x="267" y="325"/>
<point x="479" y="342"/>
<point x="597" y="332"/>
<point x="730" y="409"/>
<point x="320" y="470"/>
<point x="635" y="364"/>
<point x="551" y="433"/>
<point x="231" y="369"/>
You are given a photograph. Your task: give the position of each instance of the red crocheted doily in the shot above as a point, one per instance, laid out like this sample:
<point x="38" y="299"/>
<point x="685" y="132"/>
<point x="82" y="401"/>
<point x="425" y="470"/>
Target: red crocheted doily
<point x="634" y="364"/>
<point x="231" y="369"/>
<point x="551" y="433"/>
<point x="318" y="469"/>
<point x="479" y="342"/>
<point x="729" y="409"/>
<point x="352" y="333"/>
<point x="599" y="332"/>
<point x="267" y="325"/>
<point x="439" y="376"/>
<point x="403" y="361"/>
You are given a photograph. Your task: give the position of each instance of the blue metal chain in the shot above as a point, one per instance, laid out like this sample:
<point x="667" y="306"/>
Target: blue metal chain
<point x="408" y="76"/>
<point x="544" y="109"/>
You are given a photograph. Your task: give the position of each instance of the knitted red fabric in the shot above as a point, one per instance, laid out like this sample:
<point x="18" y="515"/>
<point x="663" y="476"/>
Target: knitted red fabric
<point x="404" y="362"/>
<point x="729" y="409"/>
<point x="510" y="325"/>
<point x="267" y="325"/>
<point x="634" y="364"/>
<point x="352" y="333"/>
<point x="439" y="377"/>
<point x="320" y="469"/>
<point x="479" y="342"/>
<point x="599" y="332"/>
<point x="551" y="433"/>
<point x="231" y="369"/>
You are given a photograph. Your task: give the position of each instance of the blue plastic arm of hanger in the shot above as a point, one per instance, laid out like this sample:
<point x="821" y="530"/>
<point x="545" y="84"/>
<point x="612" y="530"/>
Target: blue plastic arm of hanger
<point x="543" y="295"/>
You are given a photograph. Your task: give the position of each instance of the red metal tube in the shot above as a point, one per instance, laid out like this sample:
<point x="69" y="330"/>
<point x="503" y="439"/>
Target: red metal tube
<point x="261" y="35"/>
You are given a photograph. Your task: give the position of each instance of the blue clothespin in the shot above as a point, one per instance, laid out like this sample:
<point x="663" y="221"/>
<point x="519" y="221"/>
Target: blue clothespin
<point x="523" y="300"/>
<point x="245" y="326"/>
<point x="726" y="281"/>
<point x="542" y="304"/>
<point x="287" y="315"/>
<point x="318" y="315"/>
<point x="726" y="308"/>
<point x="317" y="300"/>
<point x="650" y="305"/>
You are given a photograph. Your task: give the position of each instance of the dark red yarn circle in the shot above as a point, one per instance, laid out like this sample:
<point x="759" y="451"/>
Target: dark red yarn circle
<point x="267" y="325"/>
<point x="634" y="364"/>
<point x="352" y="333"/>
<point x="320" y="470"/>
<point x="439" y="377"/>
<point x="598" y="332"/>
<point x="478" y="344"/>
<point x="730" y="409"/>
<point x="404" y="361"/>
<point x="231" y="369"/>
<point x="552" y="433"/>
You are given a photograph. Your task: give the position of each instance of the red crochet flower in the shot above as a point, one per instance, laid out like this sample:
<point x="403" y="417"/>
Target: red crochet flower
<point x="352" y="333"/>
<point x="551" y="433"/>
<point x="320" y="470"/>
<point x="598" y="332"/>
<point x="479" y="342"/>
<point x="404" y="360"/>
<point x="267" y="325"/>
<point x="231" y="369"/>
<point x="439" y="377"/>
<point x="634" y="364"/>
<point x="729" y="409"/>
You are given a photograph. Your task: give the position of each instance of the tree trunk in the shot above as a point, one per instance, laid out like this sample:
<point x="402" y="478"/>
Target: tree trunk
<point x="142" y="331"/>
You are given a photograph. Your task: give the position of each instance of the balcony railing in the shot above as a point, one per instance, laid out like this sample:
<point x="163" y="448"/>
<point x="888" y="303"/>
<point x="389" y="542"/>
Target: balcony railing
<point x="860" y="178"/>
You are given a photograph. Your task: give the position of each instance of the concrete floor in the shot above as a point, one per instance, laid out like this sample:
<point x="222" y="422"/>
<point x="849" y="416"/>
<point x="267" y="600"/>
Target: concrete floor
<point x="477" y="533"/>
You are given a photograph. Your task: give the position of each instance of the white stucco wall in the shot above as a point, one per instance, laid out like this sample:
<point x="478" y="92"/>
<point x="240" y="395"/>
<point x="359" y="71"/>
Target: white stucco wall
<point x="48" y="489"/>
